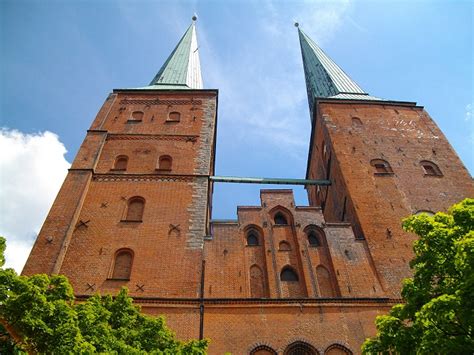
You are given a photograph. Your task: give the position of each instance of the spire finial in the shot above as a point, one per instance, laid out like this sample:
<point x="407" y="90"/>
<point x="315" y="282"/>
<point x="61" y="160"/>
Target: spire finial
<point x="297" y="24"/>
<point x="194" y="18"/>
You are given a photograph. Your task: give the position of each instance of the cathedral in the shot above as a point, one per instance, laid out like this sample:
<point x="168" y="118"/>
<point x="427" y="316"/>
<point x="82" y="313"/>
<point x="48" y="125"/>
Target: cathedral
<point x="135" y="211"/>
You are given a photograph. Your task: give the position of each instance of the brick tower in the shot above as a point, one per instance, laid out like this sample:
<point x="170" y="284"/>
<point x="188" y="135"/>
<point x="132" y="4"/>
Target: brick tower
<point x="135" y="211"/>
<point x="386" y="160"/>
<point x="137" y="192"/>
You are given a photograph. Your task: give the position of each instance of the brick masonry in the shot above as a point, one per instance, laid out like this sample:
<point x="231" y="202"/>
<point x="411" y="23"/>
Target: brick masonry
<point x="261" y="297"/>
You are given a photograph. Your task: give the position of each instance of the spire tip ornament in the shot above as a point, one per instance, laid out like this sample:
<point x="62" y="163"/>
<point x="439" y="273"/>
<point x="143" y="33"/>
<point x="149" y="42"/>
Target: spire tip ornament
<point x="194" y="18"/>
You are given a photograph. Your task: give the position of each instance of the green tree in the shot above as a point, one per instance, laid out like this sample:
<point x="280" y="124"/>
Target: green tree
<point x="437" y="316"/>
<point x="38" y="315"/>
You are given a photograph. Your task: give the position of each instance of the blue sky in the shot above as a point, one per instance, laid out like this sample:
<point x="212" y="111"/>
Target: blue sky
<point x="60" y="59"/>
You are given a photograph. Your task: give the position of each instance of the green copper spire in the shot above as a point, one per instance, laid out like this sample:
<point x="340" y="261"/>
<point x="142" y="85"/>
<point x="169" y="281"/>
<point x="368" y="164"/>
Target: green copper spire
<point x="182" y="69"/>
<point x="324" y="78"/>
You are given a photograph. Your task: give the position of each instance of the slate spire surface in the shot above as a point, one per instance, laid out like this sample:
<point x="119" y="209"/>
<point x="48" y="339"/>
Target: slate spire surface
<point x="182" y="69"/>
<point x="324" y="78"/>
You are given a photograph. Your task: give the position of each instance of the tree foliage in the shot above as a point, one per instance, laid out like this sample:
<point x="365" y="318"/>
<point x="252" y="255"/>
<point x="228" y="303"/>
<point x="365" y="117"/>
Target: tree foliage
<point x="39" y="315"/>
<point x="438" y="314"/>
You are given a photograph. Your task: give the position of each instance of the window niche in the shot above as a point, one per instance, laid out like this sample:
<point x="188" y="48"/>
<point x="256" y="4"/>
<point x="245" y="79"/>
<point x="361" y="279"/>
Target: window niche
<point x="174" y="116"/>
<point x="381" y="167"/>
<point x="314" y="238"/>
<point x="122" y="267"/>
<point x="356" y="122"/>
<point x="280" y="219"/>
<point x="165" y="163"/>
<point x="284" y="246"/>
<point x="120" y="163"/>
<point x="252" y="239"/>
<point x="135" y="209"/>
<point x="136" y="116"/>
<point x="430" y="168"/>
<point x="288" y="274"/>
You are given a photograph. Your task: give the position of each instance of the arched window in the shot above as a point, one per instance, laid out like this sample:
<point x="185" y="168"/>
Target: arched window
<point x="288" y="274"/>
<point x="284" y="246"/>
<point x="381" y="166"/>
<point x="314" y="239"/>
<point x="430" y="168"/>
<point x="263" y="350"/>
<point x="165" y="162"/>
<point x="137" y="116"/>
<point x="135" y="208"/>
<point x="122" y="264"/>
<point x="280" y="219"/>
<point x="174" y="117"/>
<point x="356" y="122"/>
<point x="300" y="348"/>
<point x="337" y="349"/>
<point x="252" y="238"/>
<point x="121" y="163"/>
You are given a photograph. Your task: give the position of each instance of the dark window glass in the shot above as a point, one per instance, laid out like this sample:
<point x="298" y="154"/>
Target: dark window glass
<point x="280" y="219"/>
<point x="252" y="239"/>
<point x="288" y="274"/>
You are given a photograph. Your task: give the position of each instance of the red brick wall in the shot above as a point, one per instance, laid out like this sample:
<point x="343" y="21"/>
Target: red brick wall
<point x="375" y="205"/>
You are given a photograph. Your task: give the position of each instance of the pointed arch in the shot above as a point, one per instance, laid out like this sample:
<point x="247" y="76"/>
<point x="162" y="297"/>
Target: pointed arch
<point x="258" y="287"/>
<point x="281" y="216"/>
<point x="315" y="236"/>
<point x="323" y="277"/>
<point x="253" y="235"/>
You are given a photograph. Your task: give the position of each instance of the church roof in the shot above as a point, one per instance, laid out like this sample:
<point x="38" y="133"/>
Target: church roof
<point x="182" y="69"/>
<point x="324" y="78"/>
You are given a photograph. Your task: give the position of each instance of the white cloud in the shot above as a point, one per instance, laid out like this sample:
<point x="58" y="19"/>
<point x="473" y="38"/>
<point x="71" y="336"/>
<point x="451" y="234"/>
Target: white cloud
<point x="32" y="169"/>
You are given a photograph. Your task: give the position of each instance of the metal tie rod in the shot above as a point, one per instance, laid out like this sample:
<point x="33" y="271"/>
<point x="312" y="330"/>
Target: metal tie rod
<point x="274" y="181"/>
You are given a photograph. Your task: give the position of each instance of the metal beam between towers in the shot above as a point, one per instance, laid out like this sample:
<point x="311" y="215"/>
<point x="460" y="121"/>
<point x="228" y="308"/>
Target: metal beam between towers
<point x="274" y="181"/>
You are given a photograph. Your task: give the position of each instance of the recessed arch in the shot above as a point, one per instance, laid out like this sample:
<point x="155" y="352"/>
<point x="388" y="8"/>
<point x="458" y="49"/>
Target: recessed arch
<point x="120" y="163"/>
<point x="258" y="286"/>
<point x="300" y="348"/>
<point x="284" y="246"/>
<point x="252" y="238"/>
<point x="253" y="235"/>
<point x="165" y="163"/>
<point x="135" y="209"/>
<point x="174" y="116"/>
<point x="281" y="216"/>
<point x="337" y="349"/>
<point x="263" y="350"/>
<point x="356" y="122"/>
<point x="122" y="265"/>
<point x="288" y="274"/>
<point x="315" y="236"/>
<point x="137" y="116"/>
<point x="323" y="278"/>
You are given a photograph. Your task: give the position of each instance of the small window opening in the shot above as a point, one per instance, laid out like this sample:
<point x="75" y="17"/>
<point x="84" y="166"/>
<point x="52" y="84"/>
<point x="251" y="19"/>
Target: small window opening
<point x="288" y="274"/>
<point x="381" y="166"/>
<point x="284" y="246"/>
<point x="137" y="116"/>
<point x="252" y="239"/>
<point x="356" y="122"/>
<point x="313" y="239"/>
<point x="430" y="168"/>
<point x="280" y="219"/>
<point x="165" y="163"/>
<point x="121" y="163"/>
<point x="174" y="117"/>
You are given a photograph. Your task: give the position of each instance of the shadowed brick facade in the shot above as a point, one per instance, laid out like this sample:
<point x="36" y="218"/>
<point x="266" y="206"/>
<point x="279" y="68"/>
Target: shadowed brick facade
<point x="135" y="211"/>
